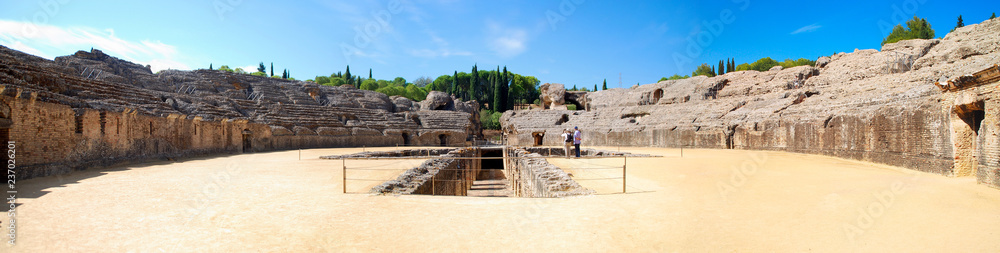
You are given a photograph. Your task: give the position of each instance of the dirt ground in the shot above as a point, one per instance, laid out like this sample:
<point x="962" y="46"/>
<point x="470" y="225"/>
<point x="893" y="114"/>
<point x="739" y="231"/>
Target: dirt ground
<point x="707" y="200"/>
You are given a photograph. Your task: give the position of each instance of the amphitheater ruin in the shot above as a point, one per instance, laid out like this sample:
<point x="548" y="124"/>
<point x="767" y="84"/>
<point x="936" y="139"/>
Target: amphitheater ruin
<point x="873" y="150"/>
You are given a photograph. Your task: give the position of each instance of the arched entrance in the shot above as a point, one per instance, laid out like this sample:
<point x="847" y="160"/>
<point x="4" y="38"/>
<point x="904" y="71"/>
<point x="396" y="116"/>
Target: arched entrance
<point x="247" y="146"/>
<point x="406" y="139"/>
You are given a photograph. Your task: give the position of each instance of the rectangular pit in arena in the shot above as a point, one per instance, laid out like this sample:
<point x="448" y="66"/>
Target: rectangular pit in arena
<point x="476" y="171"/>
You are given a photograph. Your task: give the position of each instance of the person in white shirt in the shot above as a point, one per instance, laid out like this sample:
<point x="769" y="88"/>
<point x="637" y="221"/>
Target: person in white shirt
<point x="567" y="141"/>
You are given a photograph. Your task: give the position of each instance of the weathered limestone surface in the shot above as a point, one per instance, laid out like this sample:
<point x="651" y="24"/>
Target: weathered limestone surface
<point x="868" y="105"/>
<point x="91" y="109"/>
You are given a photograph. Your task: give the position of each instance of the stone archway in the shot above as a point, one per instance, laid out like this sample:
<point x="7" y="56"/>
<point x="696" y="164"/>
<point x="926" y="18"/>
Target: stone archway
<point x="966" y="123"/>
<point x="444" y="140"/>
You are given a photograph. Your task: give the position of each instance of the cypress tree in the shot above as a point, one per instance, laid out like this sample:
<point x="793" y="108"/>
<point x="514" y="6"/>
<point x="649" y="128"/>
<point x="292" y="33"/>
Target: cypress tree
<point x="454" y="84"/>
<point x="960" y="23"/>
<point x="595" y="87"/>
<point x="369" y="73"/>
<point x="347" y="75"/>
<point x="605" y="86"/>
<point x="272" y="68"/>
<point x="713" y="71"/>
<point x="209" y="66"/>
<point x="498" y="101"/>
<point x="994" y="15"/>
<point x="473" y="84"/>
<point x="508" y="97"/>
<point x="722" y="68"/>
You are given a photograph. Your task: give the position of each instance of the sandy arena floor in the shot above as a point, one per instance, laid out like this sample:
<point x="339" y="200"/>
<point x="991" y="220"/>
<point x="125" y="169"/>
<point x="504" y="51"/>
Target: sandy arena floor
<point x="708" y="200"/>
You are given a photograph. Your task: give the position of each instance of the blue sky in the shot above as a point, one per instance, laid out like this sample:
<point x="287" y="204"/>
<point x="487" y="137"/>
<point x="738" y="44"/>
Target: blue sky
<point x="575" y="42"/>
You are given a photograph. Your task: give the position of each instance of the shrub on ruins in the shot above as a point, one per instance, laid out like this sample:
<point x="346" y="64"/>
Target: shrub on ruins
<point x="259" y="74"/>
<point x="239" y="71"/>
<point x="337" y="81"/>
<point x="788" y="63"/>
<point x="916" y="28"/>
<point x="674" y="77"/>
<point x="415" y="93"/>
<point x="369" y="84"/>
<point x="392" y="90"/>
<point x="322" y="80"/>
<point x="764" y="64"/>
<point x="703" y="70"/>
<point x="490" y="119"/>
<point x="742" y="67"/>
<point x="225" y="68"/>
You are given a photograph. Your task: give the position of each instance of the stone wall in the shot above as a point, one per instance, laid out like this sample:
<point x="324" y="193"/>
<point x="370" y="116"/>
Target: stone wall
<point x="532" y="176"/>
<point x="439" y="176"/>
<point x="91" y="109"/>
<point x="868" y="105"/>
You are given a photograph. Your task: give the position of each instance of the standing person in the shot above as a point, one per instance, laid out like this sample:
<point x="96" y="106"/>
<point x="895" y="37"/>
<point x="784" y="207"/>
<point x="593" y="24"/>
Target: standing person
<point x="577" y="137"/>
<point x="567" y="141"/>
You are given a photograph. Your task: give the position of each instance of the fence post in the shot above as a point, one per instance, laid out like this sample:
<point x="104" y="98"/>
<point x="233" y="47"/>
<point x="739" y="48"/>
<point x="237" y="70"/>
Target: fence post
<point x="624" y="165"/>
<point x="343" y="164"/>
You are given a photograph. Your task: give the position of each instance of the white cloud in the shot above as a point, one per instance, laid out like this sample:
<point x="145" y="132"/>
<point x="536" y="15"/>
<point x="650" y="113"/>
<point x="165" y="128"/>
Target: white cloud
<point x="808" y="28"/>
<point x="507" y="42"/>
<point x="47" y="40"/>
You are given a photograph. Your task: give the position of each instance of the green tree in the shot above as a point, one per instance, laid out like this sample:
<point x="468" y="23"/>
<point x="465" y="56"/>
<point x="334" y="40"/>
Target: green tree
<point x="993" y="16"/>
<point x="369" y="73"/>
<point x="574" y="88"/>
<point x="415" y="93"/>
<point x="338" y="81"/>
<point x="272" y="68"/>
<point x="209" y="66"/>
<point x="392" y="90"/>
<point x="605" y="85"/>
<point x="722" y="68"/>
<point x="284" y="74"/>
<point x="764" y="64"/>
<point x="259" y="74"/>
<point x="261" y="68"/>
<point x="225" y="68"/>
<point x="239" y="71"/>
<point x="704" y="70"/>
<point x="960" y="23"/>
<point x="369" y="84"/>
<point x="399" y="81"/>
<point x="916" y="28"/>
